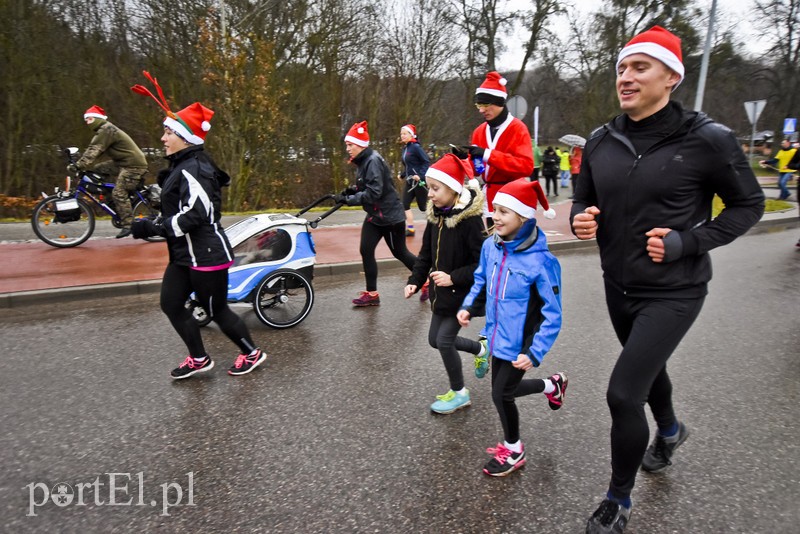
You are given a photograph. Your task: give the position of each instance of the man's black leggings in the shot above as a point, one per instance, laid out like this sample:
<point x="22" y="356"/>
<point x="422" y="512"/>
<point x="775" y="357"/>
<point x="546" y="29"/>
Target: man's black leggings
<point x="395" y="237"/>
<point x="649" y="330"/>
<point x="211" y="290"/>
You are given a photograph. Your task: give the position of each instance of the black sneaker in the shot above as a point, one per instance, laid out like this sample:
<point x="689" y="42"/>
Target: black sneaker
<point x="125" y="232"/>
<point x="659" y="453"/>
<point x="609" y="518"/>
<point x="245" y="363"/>
<point x="504" y="462"/>
<point x="190" y="366"/>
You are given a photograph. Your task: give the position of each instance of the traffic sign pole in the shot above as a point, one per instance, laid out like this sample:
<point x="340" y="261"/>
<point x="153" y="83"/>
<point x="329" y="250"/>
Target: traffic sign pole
<point x="754" y="109"/>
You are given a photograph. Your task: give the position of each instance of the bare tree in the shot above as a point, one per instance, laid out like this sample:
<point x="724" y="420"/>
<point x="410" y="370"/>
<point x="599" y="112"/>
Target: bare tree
<point x="535" y="21"/>
<point x="780" y="19"/>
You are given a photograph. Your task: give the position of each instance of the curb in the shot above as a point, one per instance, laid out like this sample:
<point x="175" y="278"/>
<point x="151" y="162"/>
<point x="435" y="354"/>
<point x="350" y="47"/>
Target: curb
<point x="78" y="293"/>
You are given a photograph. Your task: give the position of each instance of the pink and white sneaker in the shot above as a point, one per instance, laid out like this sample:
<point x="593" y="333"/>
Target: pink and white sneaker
<point x="556" y="398"/>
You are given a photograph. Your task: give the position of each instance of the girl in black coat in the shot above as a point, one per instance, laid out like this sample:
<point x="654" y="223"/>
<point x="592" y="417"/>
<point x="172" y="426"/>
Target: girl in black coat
<point x="451" y="248"/>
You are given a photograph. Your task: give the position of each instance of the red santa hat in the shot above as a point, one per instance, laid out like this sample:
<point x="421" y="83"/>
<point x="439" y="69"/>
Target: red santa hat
<point x="358" y="134"/>
<point x="658" y="43"/>
<point x="410" y="128"/>
<point x="492" y="90"/>
<point x="192" y="123"/>
<point x="522" y="196"/>
<point x="451" y="171"/>
<point x="95" y="111"/>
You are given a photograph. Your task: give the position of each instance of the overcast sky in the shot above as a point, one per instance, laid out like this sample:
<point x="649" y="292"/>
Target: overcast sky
<point x="730" y="13"/>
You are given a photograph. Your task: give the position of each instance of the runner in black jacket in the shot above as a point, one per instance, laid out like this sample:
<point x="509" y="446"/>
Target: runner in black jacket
<point x="645" y="190"/>
<point x="199" y="251"/>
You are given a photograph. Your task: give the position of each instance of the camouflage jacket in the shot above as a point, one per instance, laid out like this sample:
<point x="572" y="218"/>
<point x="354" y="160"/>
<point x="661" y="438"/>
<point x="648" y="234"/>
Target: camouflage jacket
<point x="113" y="143"/>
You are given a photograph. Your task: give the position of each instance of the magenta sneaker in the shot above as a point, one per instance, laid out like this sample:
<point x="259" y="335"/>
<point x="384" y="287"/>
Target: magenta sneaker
<point x="366" y="299"/>
<point x="556" y="398"/>
<point x="247" y="362"/>
<point x="505" y="461"/>
<point x="190" y="367"/>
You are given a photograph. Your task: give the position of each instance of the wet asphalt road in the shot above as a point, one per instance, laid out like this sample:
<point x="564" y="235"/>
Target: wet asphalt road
<point x="333" y="432"/>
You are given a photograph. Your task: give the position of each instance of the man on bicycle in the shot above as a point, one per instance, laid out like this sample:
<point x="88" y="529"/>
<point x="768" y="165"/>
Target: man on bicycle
<point x="124" y="155"/>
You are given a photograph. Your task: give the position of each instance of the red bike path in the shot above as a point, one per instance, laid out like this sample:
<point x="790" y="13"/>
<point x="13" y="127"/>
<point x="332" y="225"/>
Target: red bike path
<point x="35" y="266"/>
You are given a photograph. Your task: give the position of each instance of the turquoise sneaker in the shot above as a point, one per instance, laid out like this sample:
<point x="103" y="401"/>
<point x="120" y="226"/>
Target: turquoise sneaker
<point x="482" y="359"/>
<point x="451" y="401"/>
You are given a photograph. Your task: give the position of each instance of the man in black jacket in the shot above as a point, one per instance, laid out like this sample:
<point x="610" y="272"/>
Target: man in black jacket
<point x="645" y="190"/>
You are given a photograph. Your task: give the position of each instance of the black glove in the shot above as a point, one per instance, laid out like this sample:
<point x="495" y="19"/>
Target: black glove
<point x="340" y="198"/>
<point x="477" y="151"/>
<point x="144" y="228"/>
<point x="349" y="190"/>
<point x="72" y="167"/>
<point x="460" y="154"/>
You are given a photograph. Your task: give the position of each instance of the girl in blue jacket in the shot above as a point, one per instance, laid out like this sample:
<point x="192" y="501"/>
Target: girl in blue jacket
<point x="523" y="312"/>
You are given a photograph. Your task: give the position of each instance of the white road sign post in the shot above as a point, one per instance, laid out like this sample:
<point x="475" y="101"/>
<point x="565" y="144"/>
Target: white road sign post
<point x="754" y="109"/>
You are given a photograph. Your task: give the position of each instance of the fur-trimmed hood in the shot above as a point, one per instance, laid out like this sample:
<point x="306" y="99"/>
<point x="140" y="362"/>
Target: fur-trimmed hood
<point x="469" y="204"/>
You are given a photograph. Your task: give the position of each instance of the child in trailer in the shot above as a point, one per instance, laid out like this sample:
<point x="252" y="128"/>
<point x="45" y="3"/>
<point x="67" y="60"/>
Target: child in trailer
<point x="522" y="281"/>
<point x="451" y="248"/>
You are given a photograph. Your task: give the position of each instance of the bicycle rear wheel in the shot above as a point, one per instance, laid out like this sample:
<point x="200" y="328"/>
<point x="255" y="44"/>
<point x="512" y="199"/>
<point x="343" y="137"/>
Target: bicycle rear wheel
<point x="62" y="222"/>
<point x="145" y="210"/>
<point x="283" y="299"/>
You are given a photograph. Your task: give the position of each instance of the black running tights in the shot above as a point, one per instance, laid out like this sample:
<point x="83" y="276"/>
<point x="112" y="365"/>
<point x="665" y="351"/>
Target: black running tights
<point x="211" y="290"/>
<point x="395" y="237"/>
<point x="507" y="384"/>
<point x="649" y="330"/>
<point x="443" y="335"/>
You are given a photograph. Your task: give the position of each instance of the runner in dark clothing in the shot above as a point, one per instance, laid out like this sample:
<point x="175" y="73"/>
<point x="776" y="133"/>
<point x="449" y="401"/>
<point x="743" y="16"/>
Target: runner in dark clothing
<point x="374" y="191"/>
<point x="646" y="184"/>
<point x="199" y="251"/>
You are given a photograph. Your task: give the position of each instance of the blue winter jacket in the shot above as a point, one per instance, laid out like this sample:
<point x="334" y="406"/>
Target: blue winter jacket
<point x="523" y="294"/>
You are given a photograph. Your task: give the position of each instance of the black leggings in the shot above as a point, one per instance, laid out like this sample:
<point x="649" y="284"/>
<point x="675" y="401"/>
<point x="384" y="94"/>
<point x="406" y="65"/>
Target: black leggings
<point x="507" y="384"/>
<point x="395" y="237"/>
<point x="211" y="290"/>
<point x="419" y="193"/>
<point x="649" y="330"/>
<point x="443" y="335"/>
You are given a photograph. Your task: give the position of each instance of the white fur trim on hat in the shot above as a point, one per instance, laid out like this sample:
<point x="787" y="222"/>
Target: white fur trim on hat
<point x="356" y="140"/>
<point x="95" y="115"/>
<point x="183" y="132"/>
<point x="493" y="92"/>
<point x="514" y="204"/>
<point x="445" y="178"/>
<point x="656" y="51"/>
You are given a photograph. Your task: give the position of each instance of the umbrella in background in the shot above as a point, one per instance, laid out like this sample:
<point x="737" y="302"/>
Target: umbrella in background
<point x="573" y="140"/>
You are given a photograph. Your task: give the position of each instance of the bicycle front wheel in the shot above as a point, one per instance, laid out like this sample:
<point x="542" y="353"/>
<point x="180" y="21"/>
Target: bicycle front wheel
<point x="145" y="210"/>
<point x="62" y="222"/>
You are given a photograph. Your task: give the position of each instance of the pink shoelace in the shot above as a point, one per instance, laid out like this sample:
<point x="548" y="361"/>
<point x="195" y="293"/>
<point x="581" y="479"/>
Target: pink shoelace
<point x="240" y="359"/>
<point x="500" y="453"/>
<point x="190" y="362"/>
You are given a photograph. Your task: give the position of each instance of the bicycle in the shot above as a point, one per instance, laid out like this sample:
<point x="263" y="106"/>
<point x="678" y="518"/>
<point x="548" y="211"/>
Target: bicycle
<point x="67" y="218"/>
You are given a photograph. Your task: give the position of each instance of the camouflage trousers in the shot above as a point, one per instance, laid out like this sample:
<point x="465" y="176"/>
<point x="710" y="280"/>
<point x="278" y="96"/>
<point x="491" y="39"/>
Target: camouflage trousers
<point x="127" y="182"/>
